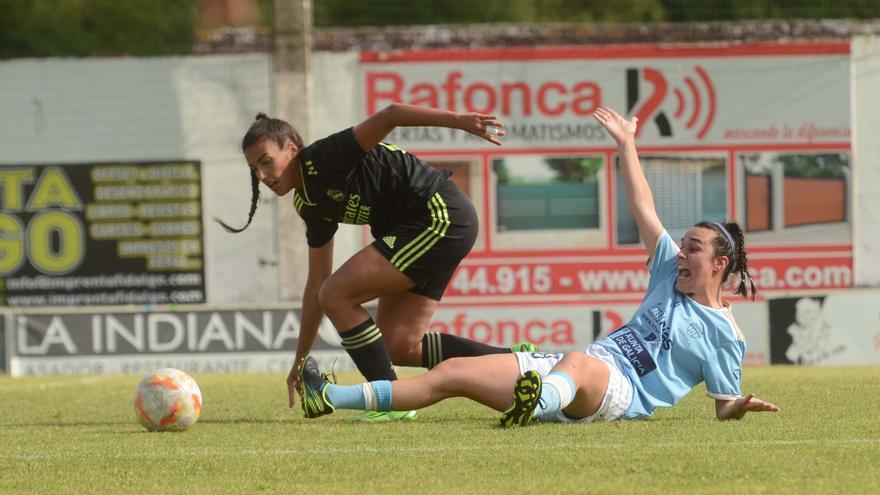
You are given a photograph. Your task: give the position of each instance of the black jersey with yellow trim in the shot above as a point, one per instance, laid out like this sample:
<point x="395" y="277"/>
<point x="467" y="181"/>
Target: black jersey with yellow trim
<point x="344" y="184"/>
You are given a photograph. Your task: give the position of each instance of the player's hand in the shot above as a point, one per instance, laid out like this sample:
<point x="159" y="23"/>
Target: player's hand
<point x="487" y="127"/>
<point x="738" y="408"/>
<point x="293" y="385"/>
<point x="618" y="127"/>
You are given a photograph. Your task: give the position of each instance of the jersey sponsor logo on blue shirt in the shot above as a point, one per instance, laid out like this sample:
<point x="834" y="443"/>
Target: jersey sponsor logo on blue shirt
<point x="655" y="318"/>
<point x="634" y="350"/>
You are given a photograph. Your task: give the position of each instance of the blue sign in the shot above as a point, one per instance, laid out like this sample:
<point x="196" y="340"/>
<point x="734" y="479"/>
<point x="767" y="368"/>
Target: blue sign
<point x="634" y="350"/>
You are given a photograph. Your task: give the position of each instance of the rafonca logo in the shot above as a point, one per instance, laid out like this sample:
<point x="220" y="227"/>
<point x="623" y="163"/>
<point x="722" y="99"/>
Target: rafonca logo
<point x="457" y="92"/>
<point x="649" y="94"/>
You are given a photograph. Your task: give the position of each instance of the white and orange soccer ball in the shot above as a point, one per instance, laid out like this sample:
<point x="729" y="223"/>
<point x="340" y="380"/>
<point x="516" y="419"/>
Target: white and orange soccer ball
<point x="167" y="400"/>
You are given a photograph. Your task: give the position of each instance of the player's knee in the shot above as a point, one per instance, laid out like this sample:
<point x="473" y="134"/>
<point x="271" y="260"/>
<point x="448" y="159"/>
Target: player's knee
<point x="586" y="371"/>
<point x="446" y="367"/>
<point x="330" y="297"/>
<point x="575" y="362"/>
<point x="445" y="374"/>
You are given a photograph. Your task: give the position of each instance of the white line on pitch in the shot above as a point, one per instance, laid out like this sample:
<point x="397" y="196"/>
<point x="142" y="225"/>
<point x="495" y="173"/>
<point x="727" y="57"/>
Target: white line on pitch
<point x="417" y="450"/>
<point x="40" y="386"/>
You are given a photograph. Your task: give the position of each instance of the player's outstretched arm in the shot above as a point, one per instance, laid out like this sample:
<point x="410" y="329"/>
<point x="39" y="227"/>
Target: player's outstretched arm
<point x="638" y="193"/>
<point x="320" y="267"/>
<point x="374" y="129"/>
<point x="736" y="409"/>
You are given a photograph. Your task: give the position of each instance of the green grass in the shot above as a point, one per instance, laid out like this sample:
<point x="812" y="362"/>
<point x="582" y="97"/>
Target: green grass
<point x="79" y="435"/>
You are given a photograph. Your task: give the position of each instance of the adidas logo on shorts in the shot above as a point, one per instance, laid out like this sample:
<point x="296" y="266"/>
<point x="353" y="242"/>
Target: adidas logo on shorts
<point x="389" y="240"/>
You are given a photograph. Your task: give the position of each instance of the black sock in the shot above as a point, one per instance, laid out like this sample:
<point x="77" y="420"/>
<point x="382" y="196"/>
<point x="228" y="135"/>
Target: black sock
<point x="437" y="347"/>
<point x="365" y="345"/>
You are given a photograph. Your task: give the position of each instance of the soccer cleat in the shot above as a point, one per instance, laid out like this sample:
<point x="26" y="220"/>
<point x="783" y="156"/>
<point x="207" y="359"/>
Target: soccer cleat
<point x="314" y="385"/>
<point x="383" y="416"/>
<point x="524" y="347"/>
<point x="526" y="394"/>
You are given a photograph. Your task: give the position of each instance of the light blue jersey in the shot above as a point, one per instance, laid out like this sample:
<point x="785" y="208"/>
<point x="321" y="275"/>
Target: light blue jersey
<point x="672" y="343"/>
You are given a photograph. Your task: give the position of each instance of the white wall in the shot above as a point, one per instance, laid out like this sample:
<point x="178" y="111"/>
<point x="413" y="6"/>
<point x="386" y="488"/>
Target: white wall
<point x="866" y="162"/>
<point x="169" y="108"/>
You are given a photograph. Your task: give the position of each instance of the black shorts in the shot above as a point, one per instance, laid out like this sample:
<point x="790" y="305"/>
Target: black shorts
<point x="428" y="247"/>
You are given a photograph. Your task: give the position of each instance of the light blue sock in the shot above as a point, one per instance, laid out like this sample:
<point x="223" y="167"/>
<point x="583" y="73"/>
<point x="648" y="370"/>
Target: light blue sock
<point x="382" y="391"/>
<point x="370" y="396"/>
<point x="557" y="392"/>
<point x="345" y="396"/>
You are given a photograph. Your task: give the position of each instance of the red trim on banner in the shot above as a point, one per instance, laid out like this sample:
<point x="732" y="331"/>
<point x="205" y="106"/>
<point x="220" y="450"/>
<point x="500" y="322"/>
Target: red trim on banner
<point x="799" y="248"/>
<point x="530" y="252"/>
<point x="647" y="149"/>
<point x="607" y="52"/>
<point x="639" y="250"/>
<point x="453" y="302"/>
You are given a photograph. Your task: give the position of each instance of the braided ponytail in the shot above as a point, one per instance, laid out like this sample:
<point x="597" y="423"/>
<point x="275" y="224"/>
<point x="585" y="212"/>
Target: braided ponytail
<point x="736" y="253"/>
<point x="255" y="199"/>
<point x="746" y="287"/>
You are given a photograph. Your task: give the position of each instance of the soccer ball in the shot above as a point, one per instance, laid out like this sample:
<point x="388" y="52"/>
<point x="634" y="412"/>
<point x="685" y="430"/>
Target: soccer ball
<point x="167" y="400"/>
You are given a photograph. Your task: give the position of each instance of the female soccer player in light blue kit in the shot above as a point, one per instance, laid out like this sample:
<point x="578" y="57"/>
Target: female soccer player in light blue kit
<point x="682" y="334"/>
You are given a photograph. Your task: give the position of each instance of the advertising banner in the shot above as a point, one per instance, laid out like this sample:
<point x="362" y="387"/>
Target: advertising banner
<point x="97" y="342"/>
<point x="754" y="133"/>
<point x="563" y="328"/>
<point x="594" y="279"/>
<point x="100" y="341"/>
<point x="682" y="95"/>
<point x="78" y="343"/>
<point x="552" y="329"/>
<point x="101" y="234"/>
<point x="832" y="329"/>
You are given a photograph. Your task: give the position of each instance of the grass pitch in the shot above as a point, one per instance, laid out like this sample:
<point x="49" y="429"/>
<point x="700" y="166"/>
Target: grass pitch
<point x="79" y="435"/>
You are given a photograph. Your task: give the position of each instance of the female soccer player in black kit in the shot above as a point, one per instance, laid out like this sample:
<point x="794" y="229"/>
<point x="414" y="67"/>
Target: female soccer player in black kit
<point x="422" y="226"/>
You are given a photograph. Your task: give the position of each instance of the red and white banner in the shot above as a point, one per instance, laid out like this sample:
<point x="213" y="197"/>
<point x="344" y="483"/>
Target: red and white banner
<point x="764" y="93"/>
<point x="566" y="327"/>
<point x="552" y="328"/>
<point x="481" y="281"/>
<point x="748" y="133"/>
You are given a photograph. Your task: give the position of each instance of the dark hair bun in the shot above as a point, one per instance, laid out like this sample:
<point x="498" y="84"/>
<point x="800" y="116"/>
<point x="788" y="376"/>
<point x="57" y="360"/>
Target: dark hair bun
<point x="261" y="116"/>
